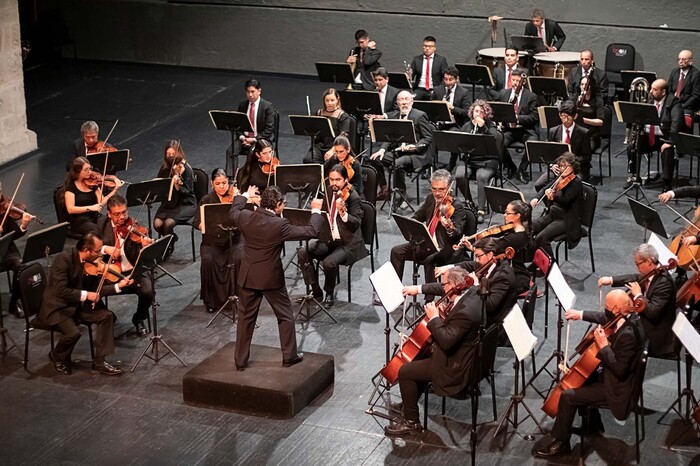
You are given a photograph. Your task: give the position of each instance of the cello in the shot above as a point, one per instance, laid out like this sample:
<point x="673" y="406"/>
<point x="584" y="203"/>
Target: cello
<point x="687" y="255"/>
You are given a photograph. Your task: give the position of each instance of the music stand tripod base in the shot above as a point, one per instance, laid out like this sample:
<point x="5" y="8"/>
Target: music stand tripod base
<point x="306" y="301"/>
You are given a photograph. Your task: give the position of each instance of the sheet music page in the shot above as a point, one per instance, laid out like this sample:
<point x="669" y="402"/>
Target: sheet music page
<point x="664" y="253"/>
<point x="519" y="334"/>
<point x="687" y="334"/>
<point x="388" y="287"/>
<point x="564" y="293"/>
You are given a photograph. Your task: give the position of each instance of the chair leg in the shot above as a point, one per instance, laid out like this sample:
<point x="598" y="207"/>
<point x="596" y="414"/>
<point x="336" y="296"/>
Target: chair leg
<point x="92" y="345"/>
<point x="26" y="346"/>
<point x="636" y="435"/>
<point x="584" y="427"/>
<point x="492" y="382"/>
<point x="193" y="252"/>
<point x="425" y="406"/>
<point x="472" y="436"/>
<point x="590" y="251"/>
<point x="349" y="283"/>
<point x="444" y="405"/>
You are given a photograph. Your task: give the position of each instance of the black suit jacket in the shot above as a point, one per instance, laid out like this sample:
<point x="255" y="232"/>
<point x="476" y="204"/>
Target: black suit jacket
<point x="499" y="78"/>
<point x="351" y="231"/>
<point x="454" y="348"/>
<point x="104" y="228"/>
<point x="368" y="64"/>
<point x="660" y="312"/>
<point x="619" y="361"/>
<point x="390" y="104"/>
<point x="424" y="134"/>
<point x="438" y="65"/>
<point x="62" y="296"/>
<point x="551" y="29"/>
<point x="265" y="119"/>
<point x="527" y="109"/>
<point x="574" y="86"/>
<point x="671" y="118"/>
<point x="690" y="94"/>
<point x="580" y="142"/>
<point x="425" y="214"/>
<point x="461" y="102"/>
<point x="568" y="201"/>
<point x="264" y="234"/>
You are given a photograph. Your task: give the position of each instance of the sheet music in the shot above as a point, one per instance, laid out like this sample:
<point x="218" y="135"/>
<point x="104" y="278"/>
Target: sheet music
<point x="687" y="334"/>
<point x="564" y="293"/>
<point x="388" y="287"/>
<point x="519" y="334"/>
<point x="664" y="253"/>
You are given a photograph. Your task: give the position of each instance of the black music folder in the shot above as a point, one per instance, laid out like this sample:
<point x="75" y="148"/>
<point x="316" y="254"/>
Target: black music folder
<point x="110" y="163"/>
<point x="437" y="110"/>
<point x="316" y="126"/>
<point x="531" y="44"/>
<point x="477" y="75"/>
<point x="334" y="73"/>
<point x="230" y="121"/>
<point x="503" y="112"/>
<point x="301" y="217"/>
<point x="360" y="103"/>
<point x="214" y="217"/>
<point x="393" y="131"/>
<point x="545" y="151"/>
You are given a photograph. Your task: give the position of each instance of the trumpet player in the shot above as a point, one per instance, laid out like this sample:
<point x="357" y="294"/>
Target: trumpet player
<point x="657" y="138"/>
<point x="427" y="70"/>
<point x="364" y="58"/>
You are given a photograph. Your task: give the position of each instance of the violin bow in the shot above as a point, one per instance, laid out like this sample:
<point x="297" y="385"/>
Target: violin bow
<point x="12" y="201"/>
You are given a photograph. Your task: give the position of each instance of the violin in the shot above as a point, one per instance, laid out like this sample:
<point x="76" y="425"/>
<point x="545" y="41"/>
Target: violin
<point x="347" y="163"/>
<point x="95" y="180"/>
<point x="100" y="146"/>
<point x="137" y="232"/>
<point x="17" y="210"/>
<point x="227" y="197"/>
<point x="268" y="168"/>
<point x="491" y="231"/>
<point x="99" y="267"/>
<point x="564" y="180"/>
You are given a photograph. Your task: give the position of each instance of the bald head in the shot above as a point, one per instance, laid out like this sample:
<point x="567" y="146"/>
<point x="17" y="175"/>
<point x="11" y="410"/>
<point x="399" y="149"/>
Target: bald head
<point x="685" y="59"/>
<point x="658" y="90"/>
<point x="618" y="302"/>
<point x="405" y="101"/>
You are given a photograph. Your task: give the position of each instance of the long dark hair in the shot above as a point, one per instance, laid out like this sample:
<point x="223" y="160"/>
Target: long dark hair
<point x="243" y="177"/>
<point x="75" y="169"/>
<point x="525" y="212"/>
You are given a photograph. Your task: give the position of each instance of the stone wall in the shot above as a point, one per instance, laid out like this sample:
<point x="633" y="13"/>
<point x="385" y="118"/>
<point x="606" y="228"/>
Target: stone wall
<point x="15" y="138"/>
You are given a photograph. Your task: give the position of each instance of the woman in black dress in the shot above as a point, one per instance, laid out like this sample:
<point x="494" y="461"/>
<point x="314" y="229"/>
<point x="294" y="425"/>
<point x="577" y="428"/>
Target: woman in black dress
<point x="259" y="167"/>
<point x="218" y="278"/>
<point x="180" y="209"/>
<point x="340" y="122"/>
<point x="341" y="153"/>
<point x="591" y="111"/>
<point x="84" y="202"/>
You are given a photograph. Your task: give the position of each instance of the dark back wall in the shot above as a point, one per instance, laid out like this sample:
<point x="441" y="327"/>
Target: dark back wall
<point x="289" y="36"/>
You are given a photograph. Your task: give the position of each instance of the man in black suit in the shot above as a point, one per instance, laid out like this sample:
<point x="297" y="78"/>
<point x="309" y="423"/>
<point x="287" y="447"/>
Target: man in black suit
<point x="501" y="76"/>
<point x="406" y="157"/>
<point x="549" y="30"/>
<point x="114" y="230"/>
<point x="585" y="67"/>
<point x="614" y="385"/>
<point x="346" y="244"/>
<point x="684" y="83"/>
<point x="525" y="106"/>
<point x="659" y="294"/>
<point x="261" y="114"/>
<point x="458" y="102"/>
<point x="387" y="92"/>
<point x="427" y="70"/>
<point x="87" y="142"/>
<point x="66" y="300"/>
<point x="365" y="56"/>
<point x="261" y="272"/>
<point x="576" y="136"/>
<point x="658" y="138"/>
<point x="449" y="366"/>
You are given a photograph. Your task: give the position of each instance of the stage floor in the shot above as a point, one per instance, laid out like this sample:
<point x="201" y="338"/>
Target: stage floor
<point x="140" y="417"/>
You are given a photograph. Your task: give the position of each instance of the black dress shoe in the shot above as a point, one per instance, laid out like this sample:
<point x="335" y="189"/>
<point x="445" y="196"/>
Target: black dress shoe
<point x="522" y="178"/>
<point x="396" y="408"/>
<point x="17" y="311"/>
<point x="241" y="368"/>
<point x="403" y="427"/>
<point x="58" y="366"/>
<point x="140" y="328"/>
<point x="557" y="447"/>
<point x="329" y="301"/>
<point x="106" y="368"/>
<point x="295" y="360"/>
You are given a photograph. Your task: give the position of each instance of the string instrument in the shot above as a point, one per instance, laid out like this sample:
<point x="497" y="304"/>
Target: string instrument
<point x="110" y="272"/>
<point x="97" y="180"/>
<point x="347" y="163"/>
<point x="100" y="146"/>
<point x="268" y="168"/>
<point x="582" y="97"/>
<point x="137" y="232"/>
<point x="687" y="255"/>
<point x="445" y="207"/>
<point x="689" y="293"/>
<point x="227" y="197"/>
<point x="561" y="182"/>
<point x="17" y="210"/>
<point x="11" y="201"/>
<point x="491" y="231"/>
<point x="418" y="343"/>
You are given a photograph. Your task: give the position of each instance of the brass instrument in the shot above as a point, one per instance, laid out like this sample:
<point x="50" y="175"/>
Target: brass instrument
<point x="558" y="71"/>
<point x="639" y="93"/>
<point x="408" y="71"/>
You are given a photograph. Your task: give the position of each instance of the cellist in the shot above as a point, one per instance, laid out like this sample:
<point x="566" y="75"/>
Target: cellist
<point x="612" y="384"/>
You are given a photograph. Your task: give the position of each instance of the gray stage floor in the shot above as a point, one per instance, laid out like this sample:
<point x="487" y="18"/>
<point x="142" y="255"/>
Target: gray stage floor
<point x="140" y="418"/>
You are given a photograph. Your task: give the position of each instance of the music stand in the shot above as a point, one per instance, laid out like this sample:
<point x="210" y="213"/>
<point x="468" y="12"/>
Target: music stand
<point x="437" y="110"/>
<point x="499" y="198"/>
<point x="233" y="122"/>
<point x="648" y="218"/>
<point x="337" y="73"/>
<point x="149" y="192"/>
<point x="545" y="152"/>
<point x="503" y="112"/>
<point x="630" y="75"/>
<point x="529" y="44"/>
<point x="638" y="115"/>
<point x="549" y="116"/>
<point x="475" y="75"/>
<point x="299" y="178"/>
<point x="551" y="89"/>
<point x="315" y="126"/>
<point x="394" y="132"/>
<point x="400" y="81"/>
<point x="422" y="245"/>
<point x="688" y="144"/>
<point x="44" y="243"/>
<point x="110" y="163"/>
<point x="215" y="217"/>
<point x="5" y="242"/>
<point x="149" y="258"/>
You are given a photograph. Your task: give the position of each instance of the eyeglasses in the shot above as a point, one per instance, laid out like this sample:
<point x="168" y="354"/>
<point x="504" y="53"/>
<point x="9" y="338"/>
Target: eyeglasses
<point x="509" y="213"/>
<point x="123" y="213"/>
<point x="479" y="256"/>
<point x="638" y="263"/>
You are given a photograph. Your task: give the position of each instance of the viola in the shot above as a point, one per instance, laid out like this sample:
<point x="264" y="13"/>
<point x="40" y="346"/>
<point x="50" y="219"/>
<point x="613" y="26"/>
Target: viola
<point x="687" y="255"/>
<point x="17" y="210"/>
<point x="268" y="168"/>
<point x="491" y="231"/>
<point x="100" y="146"/>
<point x="113" y="272"/>
<point x="347" y="163"/>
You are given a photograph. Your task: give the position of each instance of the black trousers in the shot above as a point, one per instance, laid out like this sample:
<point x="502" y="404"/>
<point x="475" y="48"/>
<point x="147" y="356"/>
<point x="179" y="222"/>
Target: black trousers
<point x="590" y="395"/>
<point x="13" y="261"/>
<point x="404" y="252"/>
<point x="143" y="289"/>
<point x="510" y="136"/>
<point x="103" y="321"/>
<point x="331" y="256"/>
<point x="668" y="161"/>
<point x="545" y="229"/>
<point x="413" y="378"/>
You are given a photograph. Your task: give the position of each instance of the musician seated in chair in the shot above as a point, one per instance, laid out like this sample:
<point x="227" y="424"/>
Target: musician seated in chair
<point x="684" y="83"/>
<point x="88" y="142"/>
<point x="657" y="138"/>
<point x="346" y="245"/>
<point x="657" y="288"/>
<point x="614" y="385"/>
<point x="449" y="367"/>
<point x="406" y="157"/>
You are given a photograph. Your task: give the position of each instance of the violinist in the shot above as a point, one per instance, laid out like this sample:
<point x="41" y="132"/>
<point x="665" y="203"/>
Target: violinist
<point x="220" y="258"/>
<point x="658" y="290"/>
<point x="66" y="298"/>
<point x="89" y="142"/>
<point x="342" y="154"/>
<point x="346" y="244"/>
<point x="340" y="122"/>
<point x="482" y="166"/>
<point x="450" y="364"/>
<point x="123" y="239"/>
<point x="13" y="259"/>
<point x="259" y="167"/>
<point x="84" y="203"/>
<point x="563" y="197"/>
<point x="612" y="385"/>
<point x="446" y="230"/>
<point x="180" y="209"/>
